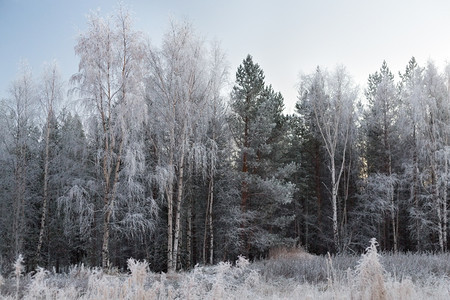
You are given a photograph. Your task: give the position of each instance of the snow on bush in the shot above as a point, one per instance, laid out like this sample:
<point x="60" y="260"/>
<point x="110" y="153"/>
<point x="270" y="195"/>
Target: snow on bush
<point x="370" y="275"/>
<point x="332" y="277"/>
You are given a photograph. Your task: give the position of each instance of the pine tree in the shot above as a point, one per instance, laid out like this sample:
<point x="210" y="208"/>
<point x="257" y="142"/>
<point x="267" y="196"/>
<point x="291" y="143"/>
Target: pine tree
<point x="257" y="126"/>
<point x="381" y="147"/>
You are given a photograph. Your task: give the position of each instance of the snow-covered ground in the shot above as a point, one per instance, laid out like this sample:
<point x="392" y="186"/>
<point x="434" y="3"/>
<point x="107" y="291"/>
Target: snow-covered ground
<point x="291" y="276"/>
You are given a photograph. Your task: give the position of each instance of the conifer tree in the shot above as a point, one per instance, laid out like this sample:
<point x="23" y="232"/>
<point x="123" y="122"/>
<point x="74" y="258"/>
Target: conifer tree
<point x="381" y="147"/>
<point x="257" y="123"/>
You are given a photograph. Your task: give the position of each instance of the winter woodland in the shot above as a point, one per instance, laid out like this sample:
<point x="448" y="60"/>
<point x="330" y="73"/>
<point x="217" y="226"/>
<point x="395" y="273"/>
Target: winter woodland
<point x="148" y="152"/>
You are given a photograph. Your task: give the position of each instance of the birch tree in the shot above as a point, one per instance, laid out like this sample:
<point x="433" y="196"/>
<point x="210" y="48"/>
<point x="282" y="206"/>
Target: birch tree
<point x="435" y="114"/>
<point x="109" y="82"/>
<point x="179" y="88"/>
<point x="331" y="98"/>
<point x="216" y="132"/>
<point x="51" y="93"/>
<point x="411" y="92"/>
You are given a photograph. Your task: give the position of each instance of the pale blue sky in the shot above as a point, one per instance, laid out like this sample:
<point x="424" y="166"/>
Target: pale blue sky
<point x="284" y="37"/>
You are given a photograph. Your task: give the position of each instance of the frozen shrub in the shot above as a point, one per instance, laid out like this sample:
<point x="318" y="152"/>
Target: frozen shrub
<point x="38" y="288"/>
<point x="240" y="281"/>
<point x="219" y="286"/>
<point x="242" y="263"/>
<point x="138" y="271"/>
<point x="370" y="275"/>
<point x="331" y="272"/>
<point x="79" y="277"/>
<point x="18" y="269"/>
<point x="195" y="284"/>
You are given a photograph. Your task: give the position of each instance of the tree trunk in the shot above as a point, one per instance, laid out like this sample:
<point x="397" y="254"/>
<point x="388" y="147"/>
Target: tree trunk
<point x="205" y="233"/>
<point x="45" y="198"/>
<point x="317" y="186"/>
<point x="19" y="189"/>
<point x="178" y="211"/>
<point x="189" y="234"/>
<point x="393" y="221"/>
<point x="306" y="226"/>
<point x="444" y="203"/>
<point x="108" y="198"/>
<point x="105" y="243"/>
<point x="169" y="193"/>
<point x="210" y="221"/>
<point x="209" y="210"/>
<point x="19" y="206"/>
<point x="334" y="188"/>
<point x="244" y="191"/>
<point x="438" y="203"/>
<point x="414" y="190"/>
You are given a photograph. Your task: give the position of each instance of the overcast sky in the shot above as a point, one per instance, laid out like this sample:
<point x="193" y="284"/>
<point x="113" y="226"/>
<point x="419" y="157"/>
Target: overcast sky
<point x="285" y="37"/>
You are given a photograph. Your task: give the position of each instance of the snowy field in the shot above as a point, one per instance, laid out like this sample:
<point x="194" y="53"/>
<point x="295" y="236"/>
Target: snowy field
<point x="292" y="275"/>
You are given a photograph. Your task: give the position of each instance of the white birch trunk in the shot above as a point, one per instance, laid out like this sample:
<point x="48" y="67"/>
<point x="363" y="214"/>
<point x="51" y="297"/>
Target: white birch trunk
<point x="210" y="221"/>
<point x="393" y="219"/>
<point x="444" y="203"/>
<point x="178" y="211"/>
<point x="439" y="207"/>
<point x="169" y="193"/>
<point x="189" y="234"/>
<point x="45" y="198"/>
<point x="334" y="190"/>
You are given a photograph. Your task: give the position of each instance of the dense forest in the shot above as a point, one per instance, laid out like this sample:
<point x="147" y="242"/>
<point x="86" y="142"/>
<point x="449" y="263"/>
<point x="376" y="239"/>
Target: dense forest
<point x="147" y="153"/>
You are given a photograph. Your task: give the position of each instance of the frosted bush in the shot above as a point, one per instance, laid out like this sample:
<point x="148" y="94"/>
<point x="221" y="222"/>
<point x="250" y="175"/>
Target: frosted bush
<point x="219" y="284"/>
<point x="368" y="280"/>
<point x="38" y="288"/>
<point x="242" y="263"/>
<point x="370" y="274"/>
<point x="138" y="273"/>
<point x="18" y="269"/>
<point x="194" y="285"/>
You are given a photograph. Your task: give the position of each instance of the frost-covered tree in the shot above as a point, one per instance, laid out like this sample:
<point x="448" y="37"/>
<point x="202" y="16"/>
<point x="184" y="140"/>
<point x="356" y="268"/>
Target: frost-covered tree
<point x="380" y="121"/>
<point x="307" y="151"/>
<point x="381" y="149"/>
<point x="378" y="202"/>
<point x="51" y="93"/>
<point x="249" y="87"/>
<point x="436" y="112"/>
<point x="417" y="142"/>
<point x="329" y="99"/>
<point x="76" y="226"/>
<point x="411" y="93"/>
<point x="20" y="163"/>
<point x="216" y="142"/>
<point x="109" y="82"/>
<point x="257" y="125"/>
<point x="180" y="86"/>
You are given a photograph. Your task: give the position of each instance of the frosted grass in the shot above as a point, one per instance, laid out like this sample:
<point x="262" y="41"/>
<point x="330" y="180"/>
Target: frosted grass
<point x="370" y="276"/>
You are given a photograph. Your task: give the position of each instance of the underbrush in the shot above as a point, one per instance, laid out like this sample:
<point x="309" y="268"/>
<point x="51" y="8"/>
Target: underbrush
<point x="286" y="276"/>
<point x="418" y="267"/>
